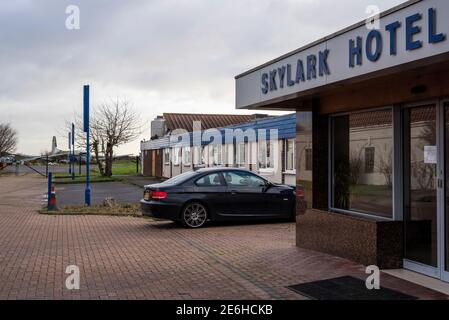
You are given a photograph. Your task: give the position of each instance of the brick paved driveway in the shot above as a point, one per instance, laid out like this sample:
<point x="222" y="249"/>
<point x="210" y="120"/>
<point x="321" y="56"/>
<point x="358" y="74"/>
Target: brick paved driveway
<point x="132" y="258"/>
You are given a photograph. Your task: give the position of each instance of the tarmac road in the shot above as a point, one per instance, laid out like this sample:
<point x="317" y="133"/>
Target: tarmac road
<point x="40" y="168"/>
<point x="73" y="194"/>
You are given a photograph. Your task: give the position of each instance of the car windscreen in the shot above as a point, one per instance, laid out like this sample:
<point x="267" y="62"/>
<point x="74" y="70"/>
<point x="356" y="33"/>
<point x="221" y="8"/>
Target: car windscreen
<point x="180" y="178"/>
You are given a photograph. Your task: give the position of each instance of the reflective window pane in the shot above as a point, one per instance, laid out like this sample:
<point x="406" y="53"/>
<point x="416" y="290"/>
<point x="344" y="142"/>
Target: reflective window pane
<point x="303" y="150"/>
<point x="290" y="154"/>
<point x="363" y="162"/>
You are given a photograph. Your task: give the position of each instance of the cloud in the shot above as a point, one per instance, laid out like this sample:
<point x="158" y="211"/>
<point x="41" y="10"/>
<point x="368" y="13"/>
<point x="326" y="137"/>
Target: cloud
<point x="164" y="55"/>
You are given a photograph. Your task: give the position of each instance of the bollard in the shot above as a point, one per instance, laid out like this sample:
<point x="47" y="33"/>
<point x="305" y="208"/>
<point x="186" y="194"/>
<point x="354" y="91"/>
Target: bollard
<point x="52" y="203"/>
<point x="50" y="176"/>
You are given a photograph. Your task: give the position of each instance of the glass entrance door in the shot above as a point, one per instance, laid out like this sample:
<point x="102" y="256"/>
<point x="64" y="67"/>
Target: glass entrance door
<point x="420" y="187"/>
<point x="426" y="195"/>
<point x="444" y="230"/>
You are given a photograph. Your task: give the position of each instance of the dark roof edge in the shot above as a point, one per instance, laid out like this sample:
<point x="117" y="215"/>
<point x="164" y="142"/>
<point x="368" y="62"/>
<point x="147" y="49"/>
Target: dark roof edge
<point x="327" y="38"/>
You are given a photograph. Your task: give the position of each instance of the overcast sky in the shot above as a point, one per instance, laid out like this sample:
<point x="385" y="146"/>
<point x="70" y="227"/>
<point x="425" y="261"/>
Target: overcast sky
<point x="163" y="55"/>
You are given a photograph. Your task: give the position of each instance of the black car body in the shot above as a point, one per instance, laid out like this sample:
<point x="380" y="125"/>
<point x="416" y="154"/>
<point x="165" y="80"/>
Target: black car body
<point x="220" y="194"/>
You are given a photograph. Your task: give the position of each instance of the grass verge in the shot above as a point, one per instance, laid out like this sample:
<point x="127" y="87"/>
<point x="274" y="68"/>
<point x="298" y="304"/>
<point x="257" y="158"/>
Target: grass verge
<point x="82" y="179"/>
<point x="126" y="210"/>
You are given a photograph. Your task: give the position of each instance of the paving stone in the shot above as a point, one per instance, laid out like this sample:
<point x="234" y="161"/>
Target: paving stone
<point x="134" y="258"/>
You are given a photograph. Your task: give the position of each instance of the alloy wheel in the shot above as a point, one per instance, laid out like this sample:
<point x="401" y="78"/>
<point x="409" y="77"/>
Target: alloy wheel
<point x="194" y="215"/>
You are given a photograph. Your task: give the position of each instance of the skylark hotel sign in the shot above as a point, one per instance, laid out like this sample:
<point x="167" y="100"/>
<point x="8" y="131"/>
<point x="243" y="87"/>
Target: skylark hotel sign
<point x="411" y="32"/>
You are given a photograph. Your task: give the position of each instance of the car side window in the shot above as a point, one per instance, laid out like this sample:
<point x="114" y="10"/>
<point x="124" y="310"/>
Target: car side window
<point x="212" y="179"/>
<point x="243" y="179"/>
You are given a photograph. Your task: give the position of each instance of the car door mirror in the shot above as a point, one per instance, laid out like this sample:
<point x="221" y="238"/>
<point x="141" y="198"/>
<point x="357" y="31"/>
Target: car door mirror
<point x="266" y="185"/>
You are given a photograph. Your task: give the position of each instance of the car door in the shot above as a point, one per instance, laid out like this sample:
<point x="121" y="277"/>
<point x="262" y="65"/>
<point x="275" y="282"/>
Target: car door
<point x="211" y="189"/>
<point x="246" y="193"/>
<point x="279" y="200"/>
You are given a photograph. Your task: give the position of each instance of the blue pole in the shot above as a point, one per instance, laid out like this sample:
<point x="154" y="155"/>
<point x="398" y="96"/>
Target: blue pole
<point x="50" y="176"/>
<point x="70" y="154"/>
<point x="72" y="163"/>
<point x="87" y="131"/>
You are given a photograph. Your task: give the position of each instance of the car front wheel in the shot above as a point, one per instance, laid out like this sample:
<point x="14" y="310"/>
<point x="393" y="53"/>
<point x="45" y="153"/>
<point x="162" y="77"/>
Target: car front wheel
<point x="194" y="215"/>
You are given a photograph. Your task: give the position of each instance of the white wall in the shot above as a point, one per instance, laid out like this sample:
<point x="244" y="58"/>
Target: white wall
<point x="274" y="175"/>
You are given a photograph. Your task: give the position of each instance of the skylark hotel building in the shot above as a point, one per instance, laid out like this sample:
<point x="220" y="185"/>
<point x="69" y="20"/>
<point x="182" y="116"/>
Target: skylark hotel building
<point x="374" y="101"/>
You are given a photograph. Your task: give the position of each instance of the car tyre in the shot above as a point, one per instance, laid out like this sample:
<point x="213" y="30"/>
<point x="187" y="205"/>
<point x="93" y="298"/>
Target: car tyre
<point x="194" y="215"/>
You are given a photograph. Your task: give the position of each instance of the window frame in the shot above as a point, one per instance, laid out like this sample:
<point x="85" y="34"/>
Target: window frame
<point x="216" y="147"/>
<point x="237" y="155"/>
<point x="293" y="169"/>
<point x="308" y="163"/>
<point x="167" y="156"/>
<point x="197" y="155"/>
<point x="176" y="156"/>
<point x="395" y="143"/>
<point x="187" y="150"/>
<point x="267" y="157"/>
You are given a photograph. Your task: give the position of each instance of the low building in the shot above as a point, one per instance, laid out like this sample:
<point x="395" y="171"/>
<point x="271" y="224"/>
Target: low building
<point x="264" y="145"/>
<point x="163" y="127"/>
<point x="373" y="109"/>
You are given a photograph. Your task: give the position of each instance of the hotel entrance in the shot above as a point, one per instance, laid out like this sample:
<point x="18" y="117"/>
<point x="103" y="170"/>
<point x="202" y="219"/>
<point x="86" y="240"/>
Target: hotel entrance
<point x="426" y="195"/>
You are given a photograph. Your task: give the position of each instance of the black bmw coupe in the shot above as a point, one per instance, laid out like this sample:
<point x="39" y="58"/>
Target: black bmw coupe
<point x="213" y="194"/>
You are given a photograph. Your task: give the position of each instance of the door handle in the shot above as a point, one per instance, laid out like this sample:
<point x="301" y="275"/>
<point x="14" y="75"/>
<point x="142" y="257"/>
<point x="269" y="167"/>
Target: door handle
<point x="234" y="192"/>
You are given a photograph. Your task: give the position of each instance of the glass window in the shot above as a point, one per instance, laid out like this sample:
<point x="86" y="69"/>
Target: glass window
<point x="243" y="179"/>
<point x="290" y="155"/>
<point x="212" y="179"/>
<point x="308" y="166"/>
<point x="167" y="156"/>
<point x="176" y="156"/>
<point x="180" y="178"/>
<point x="217" y="156"/>
<point x="186" y="156"/>
<point x="265" y="155"/>
<point x="369" y="159"/>
<point x="202" y="157"/>
<point x="354" y="188"/>
<point x="199" y="158"/>
<point x="240" y="155"/>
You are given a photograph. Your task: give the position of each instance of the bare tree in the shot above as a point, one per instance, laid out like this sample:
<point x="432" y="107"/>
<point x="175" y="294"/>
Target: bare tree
<point x="355" y="166"/>
<point x="112" y="124"/>
<point x="386" y="168"/>
<point x="8" y="139"/>
<point x="117" y="123"/>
